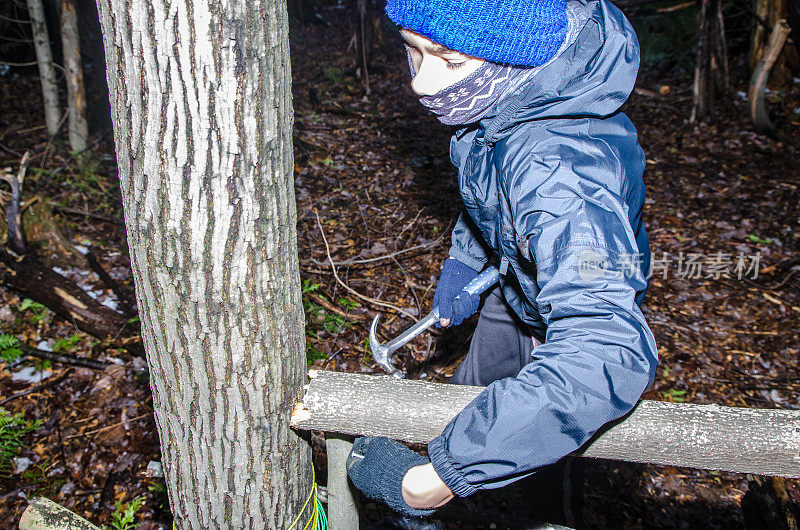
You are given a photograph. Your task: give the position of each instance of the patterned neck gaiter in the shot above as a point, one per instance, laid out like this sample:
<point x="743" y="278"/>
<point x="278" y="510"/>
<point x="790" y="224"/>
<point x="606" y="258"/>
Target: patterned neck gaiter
<point x="471" y="98"/>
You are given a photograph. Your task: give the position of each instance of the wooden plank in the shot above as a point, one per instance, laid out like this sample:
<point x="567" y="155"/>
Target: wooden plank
<point x="342" y="508"/>
<point x="758" y="441"/>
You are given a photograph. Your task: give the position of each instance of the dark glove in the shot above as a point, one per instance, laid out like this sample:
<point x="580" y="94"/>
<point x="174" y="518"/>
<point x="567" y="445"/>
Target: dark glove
<point x="377" y="465"/>
<point x="454" y="304"/>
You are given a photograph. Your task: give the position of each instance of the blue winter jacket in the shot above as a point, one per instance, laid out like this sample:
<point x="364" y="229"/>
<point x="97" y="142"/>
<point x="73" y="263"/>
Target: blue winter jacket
<point x="552" y="185"/>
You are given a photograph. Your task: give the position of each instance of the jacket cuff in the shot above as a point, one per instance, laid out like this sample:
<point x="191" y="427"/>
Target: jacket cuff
<point x="466" y="259"/>
<point x="444" y="468"/>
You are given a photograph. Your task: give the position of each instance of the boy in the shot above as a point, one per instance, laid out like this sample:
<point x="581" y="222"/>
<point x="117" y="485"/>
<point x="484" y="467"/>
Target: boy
<point x="551" y="178"/>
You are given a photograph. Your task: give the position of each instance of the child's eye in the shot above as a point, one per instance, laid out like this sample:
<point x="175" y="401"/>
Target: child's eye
<point x="455" y="65"/>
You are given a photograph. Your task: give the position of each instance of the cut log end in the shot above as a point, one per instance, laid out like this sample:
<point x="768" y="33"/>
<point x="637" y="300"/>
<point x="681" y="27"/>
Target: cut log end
<point x="300" y="415"/>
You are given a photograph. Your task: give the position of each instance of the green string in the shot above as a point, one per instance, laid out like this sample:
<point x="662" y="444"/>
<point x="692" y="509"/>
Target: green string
<point x="318" y="517"/>
<point x="322" y="521"/>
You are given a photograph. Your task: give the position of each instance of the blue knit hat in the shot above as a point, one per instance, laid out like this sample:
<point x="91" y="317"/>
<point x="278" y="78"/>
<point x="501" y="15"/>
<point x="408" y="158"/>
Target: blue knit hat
<point x="518" y="32"/>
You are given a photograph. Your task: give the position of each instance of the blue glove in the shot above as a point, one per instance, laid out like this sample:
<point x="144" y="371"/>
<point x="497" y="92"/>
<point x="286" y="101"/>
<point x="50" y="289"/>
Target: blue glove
<point x="454" y="304"/>
<point x="377" y="465"/>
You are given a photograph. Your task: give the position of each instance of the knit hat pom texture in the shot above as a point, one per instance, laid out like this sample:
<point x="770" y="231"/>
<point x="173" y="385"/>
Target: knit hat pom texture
<point x="524" y="33"/>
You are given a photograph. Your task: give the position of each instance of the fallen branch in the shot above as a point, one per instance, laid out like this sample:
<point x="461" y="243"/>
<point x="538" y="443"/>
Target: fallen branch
<point x="59" y="294"/>
<point x="757" y="441"/>
<point x="13" y="206"/>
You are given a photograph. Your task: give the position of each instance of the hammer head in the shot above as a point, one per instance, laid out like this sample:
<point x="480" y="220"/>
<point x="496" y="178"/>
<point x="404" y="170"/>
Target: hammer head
<point x="381" y="353"/>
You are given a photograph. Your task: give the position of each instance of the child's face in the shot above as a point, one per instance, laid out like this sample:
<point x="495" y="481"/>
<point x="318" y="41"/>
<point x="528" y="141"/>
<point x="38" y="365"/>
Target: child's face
<point x="436" y="66"/>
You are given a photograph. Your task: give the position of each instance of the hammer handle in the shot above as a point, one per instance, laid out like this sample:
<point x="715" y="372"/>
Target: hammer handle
<point x="483" y="281"/>
<point x="480" y="284"/>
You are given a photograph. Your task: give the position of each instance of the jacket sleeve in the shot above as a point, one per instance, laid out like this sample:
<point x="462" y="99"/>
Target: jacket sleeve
<point x="598" y="357"/>
<point x="467" y="246"/>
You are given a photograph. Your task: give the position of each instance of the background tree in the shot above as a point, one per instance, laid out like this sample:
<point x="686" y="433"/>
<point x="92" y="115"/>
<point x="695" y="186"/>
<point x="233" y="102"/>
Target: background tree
<point x="73" y="67"/>
<point x="711" y="77"/>
<point x="766" y="14"/>
<point x="44" y="59"/>
<point x="201" y="106"/>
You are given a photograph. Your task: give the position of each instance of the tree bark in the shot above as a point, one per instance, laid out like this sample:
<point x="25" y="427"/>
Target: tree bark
<point x="758" y="441"/>
<point x="44" y="59"/>
<point x="76" y="96"/>
<point x="201" y="107"/>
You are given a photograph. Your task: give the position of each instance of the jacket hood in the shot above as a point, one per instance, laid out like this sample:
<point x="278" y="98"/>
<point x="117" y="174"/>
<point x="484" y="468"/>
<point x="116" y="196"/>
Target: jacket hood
<point x="591" y="76"/>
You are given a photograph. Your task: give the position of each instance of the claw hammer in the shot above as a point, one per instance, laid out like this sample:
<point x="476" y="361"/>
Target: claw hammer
<point x="382" y="353"/>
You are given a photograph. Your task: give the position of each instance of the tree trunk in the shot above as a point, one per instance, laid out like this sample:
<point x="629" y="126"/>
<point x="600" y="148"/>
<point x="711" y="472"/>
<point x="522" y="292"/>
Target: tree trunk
<point x="44" y="58"/>
<point x="76" y="97"/>
<point x="201" y="107"/>
<point x="758" y="81"/>
<point x="767" y="14"/>
<point x="711" y="77"/>
<point x="363" y="45"/>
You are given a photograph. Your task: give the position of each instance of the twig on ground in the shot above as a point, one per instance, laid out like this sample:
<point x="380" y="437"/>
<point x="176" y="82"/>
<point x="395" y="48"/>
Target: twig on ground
<point x="8" y="63"/>
<point x="349" y="289"/>
<point x="392" y="255"/>
<point x="409" y="225"/>
<point x="333" y="309"/>
<point x="408" y="281"/>
<point x="38" y="388"/>
<point x="75" y="211"/>
<point x="63" y="358"/>
<point x="109" y="427"/>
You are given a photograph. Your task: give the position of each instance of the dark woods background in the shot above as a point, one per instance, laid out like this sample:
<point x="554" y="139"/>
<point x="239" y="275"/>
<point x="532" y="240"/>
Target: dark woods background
<point x="717" y="106"/>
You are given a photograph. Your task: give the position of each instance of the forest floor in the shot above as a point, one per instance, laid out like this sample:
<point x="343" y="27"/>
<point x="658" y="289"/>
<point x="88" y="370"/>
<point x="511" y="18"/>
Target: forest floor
<point x="722" y="215"/>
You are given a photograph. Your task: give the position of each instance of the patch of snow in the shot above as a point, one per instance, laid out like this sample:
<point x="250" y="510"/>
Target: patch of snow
<point x="80" y="248"/>
<point x="94" y="293"/>
<point x="44" y="346"/>
<point x="30" y="374"/>
<point x="111" y="304"/>
<point x="741" y="95"/>
<point x="20" y="465"/>
<point x="88" y="280"/>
